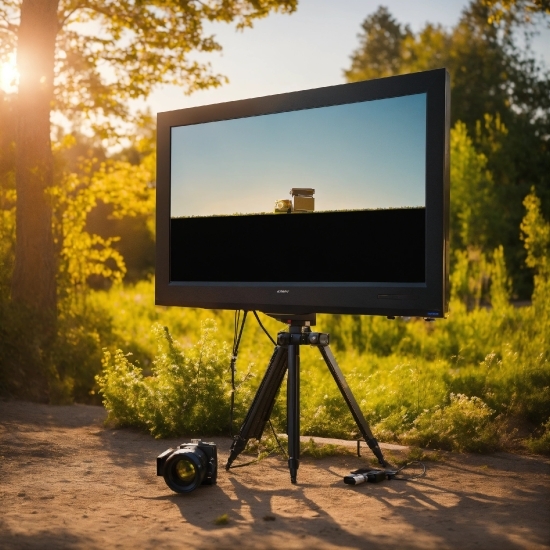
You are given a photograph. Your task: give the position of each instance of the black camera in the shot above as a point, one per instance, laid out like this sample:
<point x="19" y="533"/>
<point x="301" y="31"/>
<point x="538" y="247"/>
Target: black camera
<point x="189" y="465"/>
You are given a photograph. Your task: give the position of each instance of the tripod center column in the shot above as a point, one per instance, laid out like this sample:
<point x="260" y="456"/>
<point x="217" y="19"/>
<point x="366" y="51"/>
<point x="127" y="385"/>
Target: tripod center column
<point x="293" y="409"/>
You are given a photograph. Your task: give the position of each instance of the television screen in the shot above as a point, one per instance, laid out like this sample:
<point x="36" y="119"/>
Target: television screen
<point x="327" y="200"/>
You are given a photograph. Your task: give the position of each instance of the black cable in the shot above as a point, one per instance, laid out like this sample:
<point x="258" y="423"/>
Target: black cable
<point x="412" y="476"/>
<point x="236" y="341"/>
<point x="277" y="439"/>
<point x="263" y="328"/>
<point x="237" y="333"/>
<point x="270" y="424"/>
<point x="376" y="475"/>
<point x="251" y="461"/>
<point x="233" y="466"/>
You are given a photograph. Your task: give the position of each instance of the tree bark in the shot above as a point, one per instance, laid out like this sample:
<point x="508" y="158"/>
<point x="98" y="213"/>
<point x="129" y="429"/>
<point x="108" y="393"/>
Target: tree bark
<point x="34" y="276"/>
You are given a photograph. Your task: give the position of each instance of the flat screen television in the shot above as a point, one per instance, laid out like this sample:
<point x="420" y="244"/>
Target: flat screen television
<point x="331" y="200"/>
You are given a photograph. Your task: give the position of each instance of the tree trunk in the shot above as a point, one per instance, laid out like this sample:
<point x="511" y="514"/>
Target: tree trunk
<point x="33" y="283"/>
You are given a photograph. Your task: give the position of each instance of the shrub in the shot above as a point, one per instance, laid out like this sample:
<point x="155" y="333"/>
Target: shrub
<point x="465" y="424"/>
<point x="188" y="392"/>
<point x="541" y="445"/>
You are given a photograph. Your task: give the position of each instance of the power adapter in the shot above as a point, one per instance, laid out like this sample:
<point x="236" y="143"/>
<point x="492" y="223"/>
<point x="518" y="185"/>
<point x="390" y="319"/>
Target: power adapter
<point x="371" y="476"/>
<point x="375" y="475"/>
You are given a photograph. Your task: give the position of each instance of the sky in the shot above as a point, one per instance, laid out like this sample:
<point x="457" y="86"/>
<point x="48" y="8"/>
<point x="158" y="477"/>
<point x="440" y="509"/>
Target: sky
<point x="356" y="156"/>
<point x="307" y="49"/>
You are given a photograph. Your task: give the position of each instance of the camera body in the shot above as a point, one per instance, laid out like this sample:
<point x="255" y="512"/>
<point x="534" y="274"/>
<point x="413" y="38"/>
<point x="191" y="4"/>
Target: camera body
<point x="189" y="465"/>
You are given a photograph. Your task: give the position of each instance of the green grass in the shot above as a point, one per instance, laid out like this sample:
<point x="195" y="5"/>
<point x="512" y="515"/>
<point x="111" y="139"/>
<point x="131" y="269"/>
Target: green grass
<point x="222" y="520"/>
<point x="452" y="384"/>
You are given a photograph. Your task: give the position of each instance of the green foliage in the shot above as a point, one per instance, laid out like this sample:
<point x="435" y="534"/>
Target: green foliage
<point x="89" y="257"/>
<point x="18" y="373"/>
<point x="222" y="520"/>
<point x="269" y="446"/>
<point x="466" y="424"/>
<point x="481" y="56"/>
<point x="442" y="385"/>
<point x="522" y="10"/>
<point x="87" y="61"/>
<point x="7" y="238"/>
<point x="500" y="112"/>
<point x="497" y="357"/>
<point x="187" y="393"/>
<point x="472" y="200"/>
<point x="536" y="236"/>
<point x="97" y="74"/>
<point x="323" y="450"/>
<point x="469" y="278"/>
<point x="541" y="445"/>
<point x="501" y="284"/>
<point x="380" y="52"/>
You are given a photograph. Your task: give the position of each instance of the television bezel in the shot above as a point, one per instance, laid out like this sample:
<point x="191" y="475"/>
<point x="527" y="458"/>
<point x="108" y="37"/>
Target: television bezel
<point x="428" y="299"/>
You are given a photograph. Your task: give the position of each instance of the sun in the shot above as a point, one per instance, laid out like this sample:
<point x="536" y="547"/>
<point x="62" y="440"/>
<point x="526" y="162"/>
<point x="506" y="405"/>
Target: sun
<point x="9" y="75"/>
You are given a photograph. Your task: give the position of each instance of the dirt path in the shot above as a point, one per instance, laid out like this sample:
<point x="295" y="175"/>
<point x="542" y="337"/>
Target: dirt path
<point x="67" y="482"/>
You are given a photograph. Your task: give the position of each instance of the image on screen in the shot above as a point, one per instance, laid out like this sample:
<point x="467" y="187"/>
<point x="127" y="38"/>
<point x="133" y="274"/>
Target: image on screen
<point x="352" y="175"/>
<point x="357" y="156"/>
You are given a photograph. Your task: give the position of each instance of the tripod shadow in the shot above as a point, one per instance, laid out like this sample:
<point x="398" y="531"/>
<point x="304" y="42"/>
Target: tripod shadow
<point x="262" y="513"/>
<point x="464" y="507"/>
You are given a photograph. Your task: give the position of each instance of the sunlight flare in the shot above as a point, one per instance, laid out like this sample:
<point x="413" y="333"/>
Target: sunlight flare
<point x="9" y="75"/>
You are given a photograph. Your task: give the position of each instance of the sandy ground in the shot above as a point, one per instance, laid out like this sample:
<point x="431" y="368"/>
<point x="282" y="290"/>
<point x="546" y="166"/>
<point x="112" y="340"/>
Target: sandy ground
<point x="68" y="482"/>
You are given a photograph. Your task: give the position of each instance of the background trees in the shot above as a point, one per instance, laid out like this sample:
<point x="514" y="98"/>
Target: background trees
<point x="102" y="213"/>
<point x="500" y="94"/>
<point x="86" y="60"/>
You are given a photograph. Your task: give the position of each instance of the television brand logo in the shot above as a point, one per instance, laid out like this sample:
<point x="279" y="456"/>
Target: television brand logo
<point x="283" y="291"/>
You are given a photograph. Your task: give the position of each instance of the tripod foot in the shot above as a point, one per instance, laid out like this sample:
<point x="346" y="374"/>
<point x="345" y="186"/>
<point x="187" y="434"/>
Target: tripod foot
<point x="377" y="451"/>
<point x="293" y="464"/>
<point x="236" y="449"/>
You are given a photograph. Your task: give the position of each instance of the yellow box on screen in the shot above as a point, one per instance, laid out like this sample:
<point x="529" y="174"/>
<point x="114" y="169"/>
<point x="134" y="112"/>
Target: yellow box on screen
<point x="304" y="204"/>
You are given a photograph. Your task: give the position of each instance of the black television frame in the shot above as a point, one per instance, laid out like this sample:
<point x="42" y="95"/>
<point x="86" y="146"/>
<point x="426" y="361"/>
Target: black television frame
<point x="428" y="299"/>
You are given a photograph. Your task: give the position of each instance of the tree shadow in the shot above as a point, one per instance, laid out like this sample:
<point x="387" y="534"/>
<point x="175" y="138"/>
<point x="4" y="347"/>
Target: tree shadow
<point x="471" y="516"/>
<point x="253" y="509"/>
<point x="60" y="538"/>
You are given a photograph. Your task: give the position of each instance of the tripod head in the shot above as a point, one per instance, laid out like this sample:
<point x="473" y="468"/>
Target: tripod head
<point x="295" y="319"/>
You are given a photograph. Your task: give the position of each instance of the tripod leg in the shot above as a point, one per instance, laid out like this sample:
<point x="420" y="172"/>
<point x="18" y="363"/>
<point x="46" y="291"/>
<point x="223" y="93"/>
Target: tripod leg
<point x="293" y="410"/>
<point x="262" y="405"/>
<point x="352" y="403"/>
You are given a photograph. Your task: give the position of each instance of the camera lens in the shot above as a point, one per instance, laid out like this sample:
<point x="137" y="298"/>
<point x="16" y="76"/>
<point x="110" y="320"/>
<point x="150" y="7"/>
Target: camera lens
<point x="185" y="469"/>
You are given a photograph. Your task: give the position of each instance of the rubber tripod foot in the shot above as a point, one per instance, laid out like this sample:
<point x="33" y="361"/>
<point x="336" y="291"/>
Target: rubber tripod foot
<point x="293" y="464"/>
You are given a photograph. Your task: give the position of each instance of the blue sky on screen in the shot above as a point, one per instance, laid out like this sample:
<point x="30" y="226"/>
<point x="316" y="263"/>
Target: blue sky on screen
<point x="360" y="155"/>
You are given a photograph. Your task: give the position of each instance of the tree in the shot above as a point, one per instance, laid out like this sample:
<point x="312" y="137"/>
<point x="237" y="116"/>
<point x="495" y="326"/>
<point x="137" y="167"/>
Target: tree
<point x="516" y="9"/>
<point x="472" y="193"/>
<point x="381" y="47"/>
<point x="87" y="59"/>
<point x="499" y="91"/>
<point x="489" y="75"/>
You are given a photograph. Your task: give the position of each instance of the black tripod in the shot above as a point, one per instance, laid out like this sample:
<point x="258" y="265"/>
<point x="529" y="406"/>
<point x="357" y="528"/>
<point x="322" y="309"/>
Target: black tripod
<point x="287" y="356"/>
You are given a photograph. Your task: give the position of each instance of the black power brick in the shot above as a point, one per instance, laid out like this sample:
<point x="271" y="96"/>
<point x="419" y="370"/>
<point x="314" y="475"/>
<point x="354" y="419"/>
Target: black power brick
<point x="371" y="476"/>
<point x="376" y="475"/>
